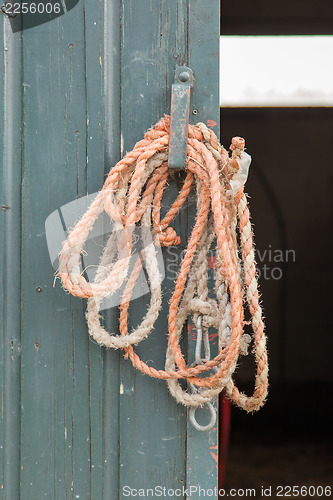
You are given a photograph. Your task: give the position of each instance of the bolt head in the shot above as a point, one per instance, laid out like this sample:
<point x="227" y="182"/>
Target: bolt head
<point x="184" y="76"/>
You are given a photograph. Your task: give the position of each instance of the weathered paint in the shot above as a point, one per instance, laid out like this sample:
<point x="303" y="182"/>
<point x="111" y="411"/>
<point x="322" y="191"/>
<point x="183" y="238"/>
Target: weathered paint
<point x="204" y="26"/>
<point x="11" y="265"/>
<point x="179" y="118"/>
<point x="152" y="425"/>
<point x="80" y="422"/>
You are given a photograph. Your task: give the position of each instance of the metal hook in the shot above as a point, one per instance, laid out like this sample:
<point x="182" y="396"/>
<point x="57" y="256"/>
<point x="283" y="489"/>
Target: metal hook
<point x="179" y="117"/>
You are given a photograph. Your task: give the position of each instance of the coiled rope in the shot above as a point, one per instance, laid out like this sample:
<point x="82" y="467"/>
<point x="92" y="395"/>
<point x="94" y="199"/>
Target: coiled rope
<point x="131" y="196"/>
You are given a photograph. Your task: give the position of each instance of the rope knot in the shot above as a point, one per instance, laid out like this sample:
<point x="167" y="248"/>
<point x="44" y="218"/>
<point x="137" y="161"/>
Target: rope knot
<point x="168" y="237"/>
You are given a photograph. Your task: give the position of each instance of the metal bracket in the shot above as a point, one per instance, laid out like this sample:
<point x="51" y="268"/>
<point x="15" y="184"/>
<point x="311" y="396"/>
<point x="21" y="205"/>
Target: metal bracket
<point x="180" y="112"/>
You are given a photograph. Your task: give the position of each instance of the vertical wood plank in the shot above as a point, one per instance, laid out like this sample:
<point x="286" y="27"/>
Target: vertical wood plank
<point x="54" y="153"/>
<point x="2" y="228"/>
<point x="103" y="424"/>
<point x="11" y="262"/>
<point x="62" y="384"/>
<point x="204" y="30"/>
<point x="112" y="150"/>
<point x="80" y="437"/>
<point x="152" y="425"/>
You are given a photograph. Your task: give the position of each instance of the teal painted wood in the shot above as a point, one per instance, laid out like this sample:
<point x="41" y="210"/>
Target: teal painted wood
<point x="112" y="150"/>
<point x="54" y="348"/>
<point x="204" y="30"/>
<point x="196" y="42"/>
<point x="152" y="425"/>
<point x="62" y="372"/>
<point x="2" y="303"/>
<point x="93" y="81"/>
<point x="11" y="263"/>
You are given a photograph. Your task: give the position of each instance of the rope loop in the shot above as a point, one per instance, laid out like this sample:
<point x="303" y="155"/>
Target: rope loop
<point x="132" y="197"/>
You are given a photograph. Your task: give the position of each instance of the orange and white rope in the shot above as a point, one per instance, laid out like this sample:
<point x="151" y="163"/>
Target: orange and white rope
<point x="132" y="195"/>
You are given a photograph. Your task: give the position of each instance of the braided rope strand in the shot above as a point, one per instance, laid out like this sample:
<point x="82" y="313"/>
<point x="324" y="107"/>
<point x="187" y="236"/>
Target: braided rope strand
<point x="132" y="196"/>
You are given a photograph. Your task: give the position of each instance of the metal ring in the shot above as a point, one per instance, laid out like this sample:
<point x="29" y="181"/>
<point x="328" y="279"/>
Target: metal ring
<point x="198" y="426"/>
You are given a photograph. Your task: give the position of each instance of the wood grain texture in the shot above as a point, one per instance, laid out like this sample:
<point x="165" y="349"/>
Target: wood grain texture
<point x="112" y="153"/>
<point x="11" y="261"/>
<point x="152" y="425"/>
<point x="204" y="29"/>
<point x="92" y="81"/>
<point x="2" y="303"/>
<point x="62" y="371"/>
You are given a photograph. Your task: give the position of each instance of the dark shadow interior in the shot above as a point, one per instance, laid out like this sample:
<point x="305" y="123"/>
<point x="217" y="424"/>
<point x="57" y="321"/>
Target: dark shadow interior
<point x="289" y="441"/>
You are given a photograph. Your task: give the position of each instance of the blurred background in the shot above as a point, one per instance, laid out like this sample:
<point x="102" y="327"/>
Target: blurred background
<point x="277" y="93"/>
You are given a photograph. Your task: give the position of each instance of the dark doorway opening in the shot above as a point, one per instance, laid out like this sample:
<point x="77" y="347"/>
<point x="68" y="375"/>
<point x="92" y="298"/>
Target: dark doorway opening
<point x="289" y="441"/>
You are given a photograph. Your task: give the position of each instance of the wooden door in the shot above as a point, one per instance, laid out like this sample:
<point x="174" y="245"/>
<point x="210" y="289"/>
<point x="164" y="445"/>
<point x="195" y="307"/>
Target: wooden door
<point x="77" y="92"/>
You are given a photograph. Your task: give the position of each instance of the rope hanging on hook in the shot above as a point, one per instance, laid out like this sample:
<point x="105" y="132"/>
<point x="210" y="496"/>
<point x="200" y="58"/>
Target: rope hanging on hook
<point x="131" y="196"/>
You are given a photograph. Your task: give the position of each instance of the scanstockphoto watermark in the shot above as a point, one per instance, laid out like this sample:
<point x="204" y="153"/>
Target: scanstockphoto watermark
<point x="271" y="262"/>
<point x="194" y="491"/>
<point x="23" y="15"/>
<point x="105" y="241"/>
